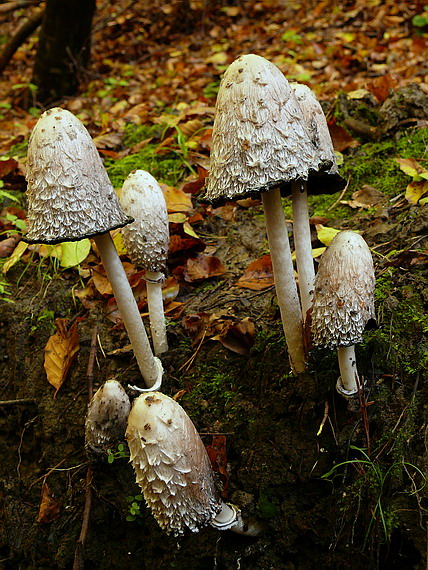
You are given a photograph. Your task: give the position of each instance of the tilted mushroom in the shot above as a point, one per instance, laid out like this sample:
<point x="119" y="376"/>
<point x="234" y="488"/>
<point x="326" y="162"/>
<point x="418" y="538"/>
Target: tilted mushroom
<point x="343" y="303"/>
<point x="173" y="469"/>
<point x="323" y="178"/>
<point x="70" y="197"/>
<point x="107" y="418"/>
<point x="261" y="145"/>
<point x="147" y="241"/>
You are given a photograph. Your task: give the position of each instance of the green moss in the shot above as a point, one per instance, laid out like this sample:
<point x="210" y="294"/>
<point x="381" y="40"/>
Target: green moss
<point x="168" y="168"/>
<point x="133" y="134"/>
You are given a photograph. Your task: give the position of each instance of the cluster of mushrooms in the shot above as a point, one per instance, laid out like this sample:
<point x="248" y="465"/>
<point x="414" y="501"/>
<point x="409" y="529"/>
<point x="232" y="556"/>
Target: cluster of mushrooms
<point x="268" y="138"/>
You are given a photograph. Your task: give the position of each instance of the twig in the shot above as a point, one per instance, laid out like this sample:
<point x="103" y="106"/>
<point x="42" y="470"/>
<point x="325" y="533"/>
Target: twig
<point x="189" y="362"/>
<point x="79" y="560"/>
<point x="341" y="196"/>
<point x="17" y="402"/>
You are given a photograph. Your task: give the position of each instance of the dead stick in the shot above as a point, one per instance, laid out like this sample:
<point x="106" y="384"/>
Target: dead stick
<point x="19" y="401"/>
<point x="78" y="553"/>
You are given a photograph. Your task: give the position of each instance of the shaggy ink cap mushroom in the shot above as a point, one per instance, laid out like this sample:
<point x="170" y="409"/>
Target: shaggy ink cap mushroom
<point x="107" y="418"/>
<point x="343" y="302"/>
<point x="69" y="194"/>
<point x="260" y="138"/>
<point x="171" y="464"/>
<point x="70" y="197"/>
<point x="147" y="243"/>
<point x="173" y="469"/>
<point x="261" y="145"/>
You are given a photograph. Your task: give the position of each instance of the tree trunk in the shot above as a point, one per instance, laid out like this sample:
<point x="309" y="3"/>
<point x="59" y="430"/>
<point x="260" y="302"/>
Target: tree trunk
<point x="64" y="48"/>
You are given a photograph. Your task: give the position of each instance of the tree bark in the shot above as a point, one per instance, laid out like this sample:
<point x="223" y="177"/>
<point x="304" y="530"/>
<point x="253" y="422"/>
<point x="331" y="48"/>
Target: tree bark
<point x="64" y="48"/>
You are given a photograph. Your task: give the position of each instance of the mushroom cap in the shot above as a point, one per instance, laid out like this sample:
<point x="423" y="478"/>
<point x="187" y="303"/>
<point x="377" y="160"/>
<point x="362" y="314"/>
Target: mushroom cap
<point x="321" y="139"/>
<point x="343" y="301"/>
<point x="147" y="238"/>
<point x="69" y="193"/>
<point x="260" y="138"/>
<point x="171" y="464"/>
<point x="107" y="416"/>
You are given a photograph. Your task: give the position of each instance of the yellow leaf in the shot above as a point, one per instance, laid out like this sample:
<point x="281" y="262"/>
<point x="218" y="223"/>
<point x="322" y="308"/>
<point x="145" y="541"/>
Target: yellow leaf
<point x="119" y="243"/>
<point x="189" y="230"/>
<point x="324" y="234"/>
<point x="74" y="252"/>
<point x="15" y="257"/>
<point x="415" y="190"/>
<point x="176" y="200"/>
<point x="411" y="167"/>
<point x="178" y="218"/>
<point x="59" y="353"/>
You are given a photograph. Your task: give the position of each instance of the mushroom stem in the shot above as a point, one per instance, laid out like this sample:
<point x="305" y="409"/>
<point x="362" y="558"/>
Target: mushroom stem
<point x="285" y="283"/>
<point x="303" y="244"/>
<point x="347" y="383"/>
<point x="128" y="308"/>
<point x="156" y="313"/>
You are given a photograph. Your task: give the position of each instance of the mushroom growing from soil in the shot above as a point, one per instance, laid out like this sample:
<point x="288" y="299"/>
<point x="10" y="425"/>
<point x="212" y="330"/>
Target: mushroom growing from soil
<point x="107" y="418"/>
<point x="324" y="177"/>
<point x="147" y="241"/>
<point x="70" y="197"/>
<point x="260" y="146"/>
<point x="343" y="303"/>
<point x="173" y="469"/>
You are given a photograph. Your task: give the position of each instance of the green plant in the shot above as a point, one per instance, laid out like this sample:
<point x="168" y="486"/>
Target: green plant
<point x="376" y="476"/>
<point x="421" y="20"/>
<point x="121" y="453"/>
<point x="134" y="507"/>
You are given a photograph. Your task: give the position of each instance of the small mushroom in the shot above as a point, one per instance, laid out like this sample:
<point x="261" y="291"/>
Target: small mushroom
<point x="260" y="146"/>
<point x="107" y="418"/>
<point x="171" y="464"/>
<point x="323" y="178"/>
<point x="174" y="472"/>
<point x="147" y="241"/>
<point x="343" y="303"/>
<point x="70" y="197"/>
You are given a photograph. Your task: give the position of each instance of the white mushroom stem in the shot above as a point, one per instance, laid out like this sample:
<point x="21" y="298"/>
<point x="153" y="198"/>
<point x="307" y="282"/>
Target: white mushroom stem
<point x="128" y="308"/>
<point x="156" y="312"/>
<point x="285" y="283"/>
<point x="229" y="518"/>
<point x="303" y="244"/>
<point x="347" y="384"/>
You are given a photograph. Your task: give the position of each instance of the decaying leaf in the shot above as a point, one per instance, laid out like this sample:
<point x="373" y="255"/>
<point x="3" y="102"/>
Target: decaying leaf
<point x="60" y="351"/>
<point x="218" y="457"/>
<point x="412" y="168"/>
<point x="258" y="275"/>
<point x="7" y="246"/>
<point x="341" y="139"/>
<point x="365" y="197"/>
<point x="202" y="267"/>
<point x="18" y="252"/>
<point x="50" y="507"/>
<point x="176" y="200"/>
<point x="238" y="337"/>
<point x="415" y="190"/>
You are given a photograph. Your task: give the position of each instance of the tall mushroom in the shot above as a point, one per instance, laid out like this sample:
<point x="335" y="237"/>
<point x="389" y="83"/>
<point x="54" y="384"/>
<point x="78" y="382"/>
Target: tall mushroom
<point x="173" y="469"/>
<point x="70" y="197"/>
<point x="343" y="303"/>
<point x="323" y="178"/>
<point x="147" y="241"/>
<point x="261" y="145"/>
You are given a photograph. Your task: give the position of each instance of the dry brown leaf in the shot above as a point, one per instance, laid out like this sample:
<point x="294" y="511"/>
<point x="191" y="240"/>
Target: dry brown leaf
<point x="60" y="351"/>
<point x="202" y="267"/>
<point x="239" y="337"/>
<point x="50" y="507"/>
<point x="258" y="275"/>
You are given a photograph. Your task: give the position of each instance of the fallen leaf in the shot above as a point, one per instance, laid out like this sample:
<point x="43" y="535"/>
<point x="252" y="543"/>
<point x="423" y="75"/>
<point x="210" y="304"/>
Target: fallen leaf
<point x="324" y="234"/>
<point x="239" y="337"/>
<point x="258" y="275"/>
<point x="8" y="245"/>
<point x="218" y="458"/>
<point x="74" y="252"/>
<point x="50" y="507"/>
<point x="412" y="168"/>
<point x="415" y="190"/>
<point x="60" y="351"/>
<point x="380" y="86"/>
<point x="18" y="252"/>
<point x="341" y="139"/>
<point x="7" y="166"/>
<point x="365" y="197"/>
<point x="176" y="200"/>
<point x="202" y="267"/>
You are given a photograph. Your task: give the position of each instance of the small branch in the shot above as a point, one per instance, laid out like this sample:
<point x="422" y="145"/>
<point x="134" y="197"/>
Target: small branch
<point x="79" y="560"/>
<point x="18" y="402"/>
<point x="29" y="26"/>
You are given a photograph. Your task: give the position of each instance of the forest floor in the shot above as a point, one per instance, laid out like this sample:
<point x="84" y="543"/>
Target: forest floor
<point x="334" y="484"/>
